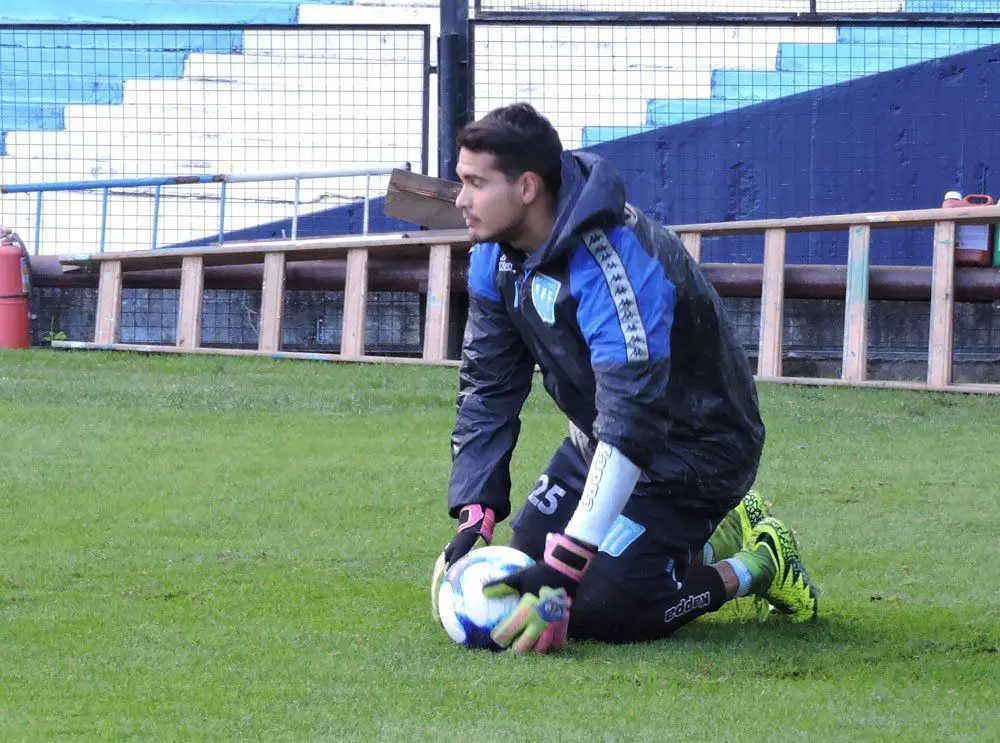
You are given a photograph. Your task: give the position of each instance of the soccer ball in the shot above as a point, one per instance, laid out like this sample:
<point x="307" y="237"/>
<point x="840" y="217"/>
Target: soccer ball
<point x="457" y="597"/>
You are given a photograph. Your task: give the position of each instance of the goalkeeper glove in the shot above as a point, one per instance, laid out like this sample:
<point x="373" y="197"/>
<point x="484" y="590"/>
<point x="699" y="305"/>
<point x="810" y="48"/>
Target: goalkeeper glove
<point x="474" y="523"/>
<point x="541" y="619"/>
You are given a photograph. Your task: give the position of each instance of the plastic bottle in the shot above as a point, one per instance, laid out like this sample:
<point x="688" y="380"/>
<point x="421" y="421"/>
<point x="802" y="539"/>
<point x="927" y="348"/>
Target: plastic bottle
<point x="972" y="241"/>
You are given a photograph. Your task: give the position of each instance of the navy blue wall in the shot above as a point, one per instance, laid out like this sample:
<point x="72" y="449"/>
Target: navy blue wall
<point x="896" y="140"/>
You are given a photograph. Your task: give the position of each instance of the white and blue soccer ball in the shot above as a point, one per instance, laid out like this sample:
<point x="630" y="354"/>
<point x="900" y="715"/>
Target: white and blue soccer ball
<point x="457" y="596"/>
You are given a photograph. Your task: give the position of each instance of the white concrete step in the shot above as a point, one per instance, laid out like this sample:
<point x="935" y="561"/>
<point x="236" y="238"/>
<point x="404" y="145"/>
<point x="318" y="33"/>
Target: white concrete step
<point x="305" y="43"/>
<point x="582" y="86"/>
<point x="297" y="72"/>
<point x="153" y="146"/>
<point x="249" y="119"/>
<point x="349" y="98"/>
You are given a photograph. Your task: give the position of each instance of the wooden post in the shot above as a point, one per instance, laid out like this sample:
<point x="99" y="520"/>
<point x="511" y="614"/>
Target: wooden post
<point x="352" y="336"/>
<point x="942" y="306"/>
<point x="109" y="303"/>
<point x="692" y="243"/>
<point x="189" y="313"/>
<point x="438" y="292"/>
<point x="772" y="300"/>
<point x="272" y="303"/>
<point x="855" y="364"/>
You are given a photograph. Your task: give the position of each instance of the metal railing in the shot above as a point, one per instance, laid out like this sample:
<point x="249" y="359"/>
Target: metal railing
<point x="223" y="179"/>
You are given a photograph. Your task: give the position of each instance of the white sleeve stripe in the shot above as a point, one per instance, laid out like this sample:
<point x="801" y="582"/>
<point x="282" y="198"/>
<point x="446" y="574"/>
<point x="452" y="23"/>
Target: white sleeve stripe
<point x="622" y="294"/>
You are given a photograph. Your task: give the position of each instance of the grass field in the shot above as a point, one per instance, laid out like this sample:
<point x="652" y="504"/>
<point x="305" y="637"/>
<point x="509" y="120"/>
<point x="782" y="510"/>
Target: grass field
<point x="239" y="549"/>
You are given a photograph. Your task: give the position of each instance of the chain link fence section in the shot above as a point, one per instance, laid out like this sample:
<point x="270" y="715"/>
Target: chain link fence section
<point x="484" y="8"/>
<point x="98" y="103"/>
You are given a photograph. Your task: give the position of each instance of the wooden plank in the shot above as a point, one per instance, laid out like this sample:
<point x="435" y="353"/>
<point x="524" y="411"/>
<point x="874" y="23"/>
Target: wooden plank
<point x="855" y="366"/>
<point x="296" y="355"/>
<point x="109" y="303"/>
<point x="409" y="244"/>
<point x="692" y="244"/>
<point x="272" y="303"/>
<point x="423" y="200"/>
<point x="833" y="222"/>
<point x="939" y="362"/>
<point x="772" y="305"/>
<point x="192" y="290"/>
<point x="352" y="336"/>
<point x="438" y="293"/>
<point x="968" y="389"/>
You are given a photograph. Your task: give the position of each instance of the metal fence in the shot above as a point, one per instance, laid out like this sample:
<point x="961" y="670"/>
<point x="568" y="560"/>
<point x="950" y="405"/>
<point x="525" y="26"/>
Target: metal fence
<point x="741" y="7"/>
<point x="719" y="118"/>
<point x="119" y="102"/>
<point x="231" y="318"/>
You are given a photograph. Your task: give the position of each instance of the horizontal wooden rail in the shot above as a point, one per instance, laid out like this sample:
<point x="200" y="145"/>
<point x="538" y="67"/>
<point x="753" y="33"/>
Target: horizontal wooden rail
<point x="833" y="222"/>
<point x="297" y="355"/>
<point x="238" y="254"/>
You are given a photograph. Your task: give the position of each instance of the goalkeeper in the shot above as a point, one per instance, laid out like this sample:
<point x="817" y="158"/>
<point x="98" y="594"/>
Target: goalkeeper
<point x="639" y="523"/>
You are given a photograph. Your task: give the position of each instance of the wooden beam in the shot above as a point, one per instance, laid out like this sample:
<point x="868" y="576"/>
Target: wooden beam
<point x="406" y="244"/>
<point x="772" y="305"/>
<point x="423" y="200"/>
<point x="109" y="302"/>
<point x="855" y="366"/>
<point x="969" y="389"/>
<point x="833" y="222"/>
<point x="939" y="362"/>
<point x="189" y="315"/>
<point x="272" y="303"/>
<point x="438" y="294"/>
<point x="297" y="355"/>
<point x="352" y="336"/>
<point x="692" y="244"/>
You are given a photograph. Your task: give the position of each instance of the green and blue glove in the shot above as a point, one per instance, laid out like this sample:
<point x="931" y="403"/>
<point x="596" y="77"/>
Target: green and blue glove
<point x="541" y="619"/>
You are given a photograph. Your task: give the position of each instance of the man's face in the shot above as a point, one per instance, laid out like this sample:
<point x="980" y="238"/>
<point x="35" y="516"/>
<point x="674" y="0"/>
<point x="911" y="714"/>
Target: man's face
<point x="491" y="205"/>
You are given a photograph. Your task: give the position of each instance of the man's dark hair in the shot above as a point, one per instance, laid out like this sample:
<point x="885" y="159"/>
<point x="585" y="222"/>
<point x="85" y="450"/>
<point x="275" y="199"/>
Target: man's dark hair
<point x="520" y="139"/>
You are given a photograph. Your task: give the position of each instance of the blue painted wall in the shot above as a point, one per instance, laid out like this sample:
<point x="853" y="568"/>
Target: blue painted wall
<point x="896" y="140"/>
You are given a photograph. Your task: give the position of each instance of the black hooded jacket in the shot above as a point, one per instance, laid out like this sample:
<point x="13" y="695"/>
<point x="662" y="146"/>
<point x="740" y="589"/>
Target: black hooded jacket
<point x="632" y="342"/>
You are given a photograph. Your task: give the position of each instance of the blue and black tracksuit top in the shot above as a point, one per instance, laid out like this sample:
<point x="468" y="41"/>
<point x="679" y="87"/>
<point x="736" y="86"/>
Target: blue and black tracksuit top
<point x="632" y="342"/>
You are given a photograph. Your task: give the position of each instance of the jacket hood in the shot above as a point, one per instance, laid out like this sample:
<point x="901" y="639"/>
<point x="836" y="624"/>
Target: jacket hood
<point x="591" y="193"/>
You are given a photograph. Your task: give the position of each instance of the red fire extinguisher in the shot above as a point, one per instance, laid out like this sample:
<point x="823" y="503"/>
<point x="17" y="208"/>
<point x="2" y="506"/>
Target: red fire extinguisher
<point x="15" y="287"/>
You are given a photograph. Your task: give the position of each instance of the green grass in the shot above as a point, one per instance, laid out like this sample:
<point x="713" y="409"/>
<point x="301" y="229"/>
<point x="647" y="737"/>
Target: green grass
<point x="239" y="549"/>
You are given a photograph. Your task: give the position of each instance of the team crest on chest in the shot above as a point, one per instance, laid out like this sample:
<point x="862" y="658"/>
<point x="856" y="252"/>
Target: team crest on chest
<point x="544" y="290"/>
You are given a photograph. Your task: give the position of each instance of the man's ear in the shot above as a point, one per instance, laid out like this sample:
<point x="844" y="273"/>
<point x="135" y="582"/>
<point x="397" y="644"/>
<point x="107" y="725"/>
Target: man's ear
<point x="530" y="186"/>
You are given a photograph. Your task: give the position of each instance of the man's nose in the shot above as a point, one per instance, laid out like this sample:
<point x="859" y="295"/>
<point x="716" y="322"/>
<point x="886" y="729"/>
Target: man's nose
<point x="462" y="198"/>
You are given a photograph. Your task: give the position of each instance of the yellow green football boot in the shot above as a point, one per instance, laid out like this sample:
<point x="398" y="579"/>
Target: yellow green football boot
<point x="789" y="589"/>
<point x="751" y="511"/>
